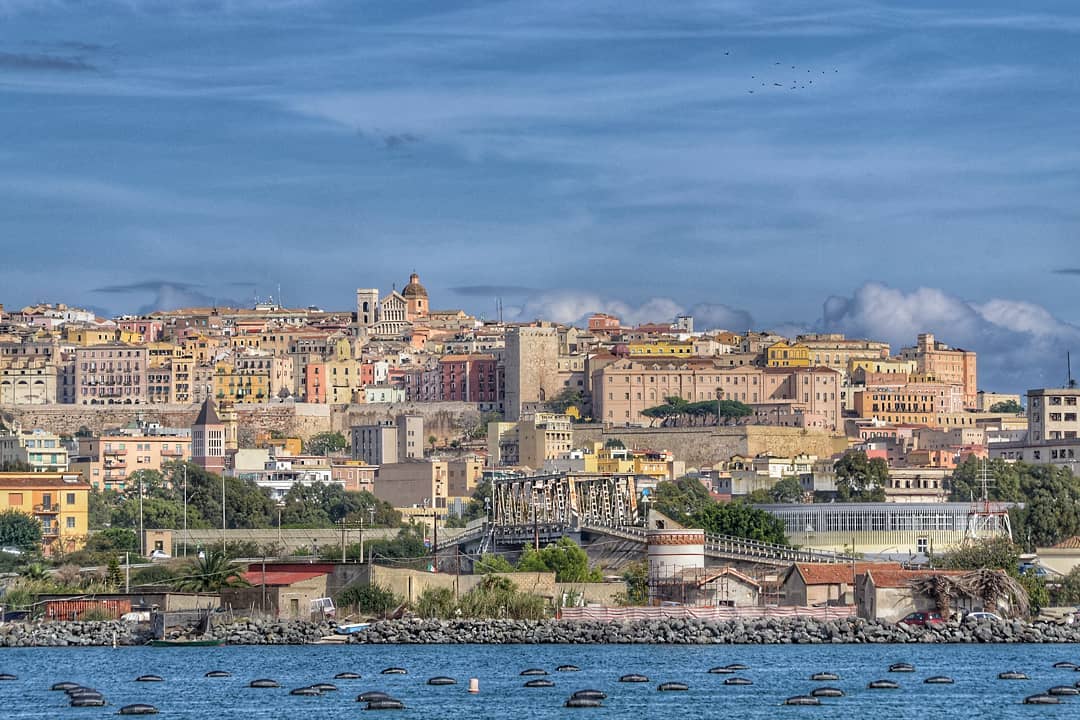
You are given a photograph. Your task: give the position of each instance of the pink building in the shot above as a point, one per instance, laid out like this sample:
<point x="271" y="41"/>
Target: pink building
<point x="111" y="375"/>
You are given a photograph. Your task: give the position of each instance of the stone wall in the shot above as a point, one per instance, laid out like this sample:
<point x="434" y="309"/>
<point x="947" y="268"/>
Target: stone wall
<point x="411" y="584"/>
<point x="706" y="446"/>
<point x="446" y="421"/>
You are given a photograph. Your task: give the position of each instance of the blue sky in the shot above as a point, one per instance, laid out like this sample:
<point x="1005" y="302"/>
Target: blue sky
<point x="566" y="156"/>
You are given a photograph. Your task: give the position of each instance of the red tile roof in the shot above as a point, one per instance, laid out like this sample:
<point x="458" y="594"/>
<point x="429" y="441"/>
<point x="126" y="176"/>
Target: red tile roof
<point x="1069" y="543"/>
<point x="837" y="573"/>
<point x="280" y="577"/>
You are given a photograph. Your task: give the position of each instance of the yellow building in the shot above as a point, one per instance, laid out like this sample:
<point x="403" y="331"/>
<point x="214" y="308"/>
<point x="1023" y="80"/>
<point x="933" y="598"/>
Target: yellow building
<point x="661" y="348"/>
<point x="59" y="501"/>
<point x="241" y="386"/>
<point x="889" y="366"/>
<point x="782" y="354"/>
<point x="86" y="336"/>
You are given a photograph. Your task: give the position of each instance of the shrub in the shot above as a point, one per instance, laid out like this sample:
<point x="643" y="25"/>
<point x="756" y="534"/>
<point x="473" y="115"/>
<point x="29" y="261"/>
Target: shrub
<point x="436" y="603"/>
<point x="368" y="599"/>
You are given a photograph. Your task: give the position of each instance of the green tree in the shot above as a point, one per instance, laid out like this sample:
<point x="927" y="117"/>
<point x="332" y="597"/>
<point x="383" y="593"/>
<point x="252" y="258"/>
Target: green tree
<point x="636" y="577"/>
<point x="491" y="563"/>
<point x="681" y="499"/>
<point x="1007" y="406"/>
<point x="565" y="558"/>
<point x="211" y="573"/>
<point x="996" y="553"/>
<point x="16" y="466"/>
<point x="1036" y="589"/>
<point x="113" y="540"/>
<point x="113" y="577"/>
<point x="19" y="530"/>
<point x="565" y="399"/>
<point x="1068" y="591"/>
<point x="614" y="443"/>
<point x="741" y="519"/>
<point x="787" y="490"/>
<point x="368" y="599"/>
<point x="859" y="479"/>
<point x="326" y="443"/>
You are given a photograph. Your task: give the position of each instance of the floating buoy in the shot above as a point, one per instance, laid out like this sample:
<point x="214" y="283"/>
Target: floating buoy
<point x="218" y="674"/>
<point x="883" y="685"/>
<point x="824" y="677"/>
<point x="87" y="702"/>
<point x="306" y="692"/>
<point x="65" y="686"/>
<point x="347" y="676"/>
<point x="582" y="703"/>
<point x="264" y="683"/>
<point x="737" y="666"/>
<point x="830" y="692"/>
<point x="149" y="678"/>
<point x="568" y="668"/>
<point x="721" y="671"/>
<point x="802" y="700"/>
<point x="593" y="694"/>
<point x="387" y="704"/>
<point x="533" y="671"/>
<point x="324" y="687"/>
<point x="372" y="695"/>
<point x="1041" y="700"/>
<point x="672" y="687"/>
<point x="1012" y="675"/>
<point x="1063" y="690"/>
<point x="78" y="689"/>
<point x="939" y="680"/>
<point x="442" y="681"/>
<point x="1064" y="666"/>
<point x="138" y="709"/>
<point x="901" y="667"/>
<point x="539" y="683"/>
<point x="7" y="676"/>
<point x="738" y="681"/>
<point x="634" y="677"/>
<point x="474" y="685"/>
<point x="84" y="693"/>
<point x="394" y="671"/>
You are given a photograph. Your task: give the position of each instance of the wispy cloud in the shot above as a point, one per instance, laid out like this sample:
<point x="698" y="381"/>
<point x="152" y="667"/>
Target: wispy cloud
<point x="44" y="62"/>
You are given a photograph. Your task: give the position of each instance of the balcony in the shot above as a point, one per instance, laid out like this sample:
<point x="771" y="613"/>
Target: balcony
<point x="46" y="509"/>
<point x="115" y="452"/>
<point x="171" y="453"/>
<point x="51" y="532"/>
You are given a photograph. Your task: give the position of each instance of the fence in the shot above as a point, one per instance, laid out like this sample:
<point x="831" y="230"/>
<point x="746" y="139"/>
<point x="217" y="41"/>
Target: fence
<point x="619" y="614"/>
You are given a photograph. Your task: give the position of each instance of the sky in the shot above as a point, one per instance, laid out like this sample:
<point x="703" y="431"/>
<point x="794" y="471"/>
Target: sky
<point x="861" y="167"/>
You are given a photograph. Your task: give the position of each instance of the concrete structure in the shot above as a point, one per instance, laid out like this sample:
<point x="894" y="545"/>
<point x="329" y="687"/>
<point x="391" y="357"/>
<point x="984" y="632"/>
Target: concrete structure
<point x="208" y="439"/>
<point x="427" y="483"/>
<point x="531" y="441"/>
<point x="951" y="366"/>
<point x="43" y="451"/>
<point x="532" y="369"/>
<point x="1053" y="434"/>
<point x="899" y="529"/>
<point x="1062" y="558"/>
<point x="822" y="584"/>
<point x="111" y="374"/>
<point x="107" y="461"/>
<point x="671" y="553"/>
<point x="886" y="593"/>
<point x="59" y="501"/>
<point x="389" y="441"/>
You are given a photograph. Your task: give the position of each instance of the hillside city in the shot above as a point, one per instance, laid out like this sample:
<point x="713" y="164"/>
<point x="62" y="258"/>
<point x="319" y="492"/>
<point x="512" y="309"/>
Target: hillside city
<point x="813" y="470"/>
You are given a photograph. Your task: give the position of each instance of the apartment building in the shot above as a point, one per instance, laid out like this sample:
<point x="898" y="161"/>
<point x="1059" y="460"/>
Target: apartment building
<point x="59" y="501"/>
<point x="42" y="450"/>
<point x="106" y="462"/>
<point x="111" y="375"/>
<point x="389" y="441"/>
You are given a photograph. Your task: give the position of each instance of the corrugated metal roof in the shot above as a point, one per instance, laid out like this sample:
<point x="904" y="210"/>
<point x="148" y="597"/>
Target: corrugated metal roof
<point x="280" y="577"/>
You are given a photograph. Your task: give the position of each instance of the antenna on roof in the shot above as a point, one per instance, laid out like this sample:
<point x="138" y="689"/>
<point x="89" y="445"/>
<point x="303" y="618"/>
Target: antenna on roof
<point x="1069" y="382"/>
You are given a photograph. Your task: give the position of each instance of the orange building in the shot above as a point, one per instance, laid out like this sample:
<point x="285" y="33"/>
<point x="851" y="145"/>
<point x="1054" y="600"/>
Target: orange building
<point x="59" y="501"/>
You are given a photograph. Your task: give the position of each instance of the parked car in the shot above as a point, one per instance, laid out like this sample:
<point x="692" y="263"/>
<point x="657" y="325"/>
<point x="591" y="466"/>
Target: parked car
<point x="983" y="615"/>
<point x="923" y="618"/>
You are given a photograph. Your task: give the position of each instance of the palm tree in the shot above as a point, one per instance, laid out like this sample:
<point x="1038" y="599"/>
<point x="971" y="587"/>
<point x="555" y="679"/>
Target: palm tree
<point x="943" y="589"/>
<point x="211" y="573"/>
<point x="991" y="585"/>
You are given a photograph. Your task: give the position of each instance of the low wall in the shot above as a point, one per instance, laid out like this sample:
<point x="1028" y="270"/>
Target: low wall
<point x="626" y="614"/>
<point x="411" y="584"/>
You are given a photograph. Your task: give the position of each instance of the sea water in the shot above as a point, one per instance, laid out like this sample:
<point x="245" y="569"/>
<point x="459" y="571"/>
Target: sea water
<point x="777" y="672"/>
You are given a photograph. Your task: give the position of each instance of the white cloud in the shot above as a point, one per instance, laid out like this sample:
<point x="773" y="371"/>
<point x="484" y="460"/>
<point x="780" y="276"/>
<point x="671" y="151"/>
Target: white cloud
<point x="575" y="306"/>
<point x="1021" y="345"/>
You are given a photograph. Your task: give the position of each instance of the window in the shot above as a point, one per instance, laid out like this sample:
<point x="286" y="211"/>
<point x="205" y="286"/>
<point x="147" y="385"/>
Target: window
<point x="71" y="523"/>
<point x="14" y="499"/>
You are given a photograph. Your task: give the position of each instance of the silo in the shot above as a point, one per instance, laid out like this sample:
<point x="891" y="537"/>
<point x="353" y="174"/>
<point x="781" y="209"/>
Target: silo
<point x="671" y="552"/>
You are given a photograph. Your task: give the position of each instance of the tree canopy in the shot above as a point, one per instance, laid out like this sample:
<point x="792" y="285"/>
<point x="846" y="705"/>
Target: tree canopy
<point x="326" y="443"/>
<point x="1007" y="406"/>
<point x="676" y="410"/>
<point x="19" y="530"/>
<point x="564" y="558"/>
<point x="787" y="490"/>
<point x="687" y="502"/>
<point x="860" y="479"/>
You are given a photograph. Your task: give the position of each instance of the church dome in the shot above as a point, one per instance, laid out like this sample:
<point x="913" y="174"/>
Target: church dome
<point x="414" y="289"/>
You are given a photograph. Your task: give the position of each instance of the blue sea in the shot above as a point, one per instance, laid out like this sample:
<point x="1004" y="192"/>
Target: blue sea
<point x="777" y="672"/>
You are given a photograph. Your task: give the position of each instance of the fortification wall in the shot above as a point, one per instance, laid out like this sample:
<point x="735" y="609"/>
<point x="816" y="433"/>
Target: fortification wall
<point x="702" y="446"/>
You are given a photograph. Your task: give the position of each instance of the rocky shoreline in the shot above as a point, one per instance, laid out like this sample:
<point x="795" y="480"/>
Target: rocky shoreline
<point x="504" y="632"/>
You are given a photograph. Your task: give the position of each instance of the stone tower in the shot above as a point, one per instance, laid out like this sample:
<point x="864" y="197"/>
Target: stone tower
<point x="532" y="369"/>
<point x="208" y="439"/>
<point x="367" y="306"/>
<point x="416" y="299"/>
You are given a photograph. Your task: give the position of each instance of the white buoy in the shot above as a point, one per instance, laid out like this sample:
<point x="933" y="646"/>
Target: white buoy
<point x="114" y="640"/>
<point x="474" y="685"/>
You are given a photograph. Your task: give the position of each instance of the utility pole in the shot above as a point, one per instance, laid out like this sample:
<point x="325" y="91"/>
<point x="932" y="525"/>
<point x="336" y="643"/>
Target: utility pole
<point x="142" y="535"/>
<point x="342" y="521"/>
<point x="127" y="572"/>
<point x="223" y="551"/>
<point x="186" y="541"/>
<point x="435" y="540"/>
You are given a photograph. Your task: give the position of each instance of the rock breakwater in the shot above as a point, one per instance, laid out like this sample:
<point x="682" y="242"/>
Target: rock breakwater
<point x="774" y="631"/>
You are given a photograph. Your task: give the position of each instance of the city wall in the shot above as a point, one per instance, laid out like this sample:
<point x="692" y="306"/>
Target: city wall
<point x="446" y="421"/>
<point x="702" y="446"/>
